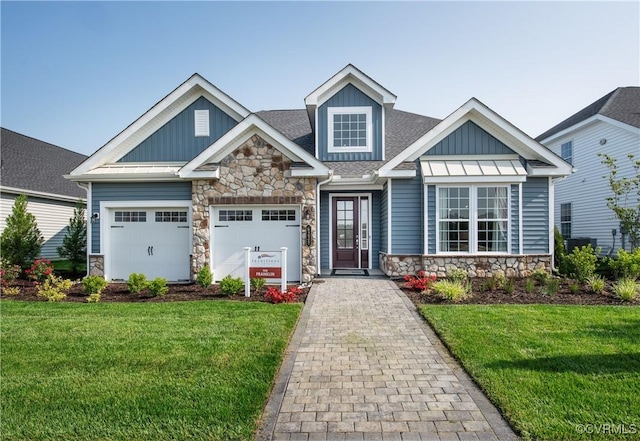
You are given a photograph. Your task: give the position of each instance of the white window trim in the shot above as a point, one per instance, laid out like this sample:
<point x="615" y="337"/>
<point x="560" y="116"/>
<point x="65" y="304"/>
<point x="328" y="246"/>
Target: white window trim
<point x="473" y="220"/>
<point x="571" y="157"/>
<point x="331" y="111"/>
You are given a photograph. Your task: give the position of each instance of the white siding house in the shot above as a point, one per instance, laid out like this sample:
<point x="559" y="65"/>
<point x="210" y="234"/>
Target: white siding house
<point x="36" y="168"/>
<point x="610" y="125"/>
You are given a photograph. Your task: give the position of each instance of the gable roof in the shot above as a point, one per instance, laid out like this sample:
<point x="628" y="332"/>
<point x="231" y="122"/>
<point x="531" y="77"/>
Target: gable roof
<point x="30" y="165"/>
<point x="622" y="104"/>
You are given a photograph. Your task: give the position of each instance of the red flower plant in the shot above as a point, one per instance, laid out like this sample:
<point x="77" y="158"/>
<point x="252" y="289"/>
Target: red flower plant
<point x="421" y="282"/>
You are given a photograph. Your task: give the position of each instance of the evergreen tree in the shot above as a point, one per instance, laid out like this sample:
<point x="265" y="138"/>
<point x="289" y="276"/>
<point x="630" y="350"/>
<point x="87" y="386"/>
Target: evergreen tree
<point x="21" y="240"/>
<point x="74" y="244"/>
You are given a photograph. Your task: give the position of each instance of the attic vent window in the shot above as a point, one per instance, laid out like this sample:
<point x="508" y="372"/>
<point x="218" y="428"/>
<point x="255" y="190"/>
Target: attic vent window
<point x="201" y="118"/>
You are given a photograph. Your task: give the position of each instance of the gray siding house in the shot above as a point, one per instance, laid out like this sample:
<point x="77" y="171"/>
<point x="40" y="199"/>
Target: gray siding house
<point x="348" y="182"/>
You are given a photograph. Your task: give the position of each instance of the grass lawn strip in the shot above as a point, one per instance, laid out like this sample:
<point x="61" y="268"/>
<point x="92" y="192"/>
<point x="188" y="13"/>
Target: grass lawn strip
<point x="188" y="370"/>
<point x="556" y="372"/>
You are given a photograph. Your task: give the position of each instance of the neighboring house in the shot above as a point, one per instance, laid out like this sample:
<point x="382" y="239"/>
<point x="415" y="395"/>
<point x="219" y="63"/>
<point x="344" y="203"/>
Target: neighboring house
<point x="36" y="168"/>
<point x="610" y="125"/>
<point x="347" y="182"/>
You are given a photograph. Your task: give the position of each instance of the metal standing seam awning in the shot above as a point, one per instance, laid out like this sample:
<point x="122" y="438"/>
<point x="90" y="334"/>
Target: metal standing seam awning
<point x="469" y="170"/>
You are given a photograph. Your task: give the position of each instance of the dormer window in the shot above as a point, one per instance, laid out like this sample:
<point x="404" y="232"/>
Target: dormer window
<point x="349" y="129"/>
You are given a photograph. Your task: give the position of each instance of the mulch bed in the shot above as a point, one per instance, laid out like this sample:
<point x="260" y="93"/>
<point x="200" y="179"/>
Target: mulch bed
<point x="117" y="292"/>
<point x="520" y="296"/>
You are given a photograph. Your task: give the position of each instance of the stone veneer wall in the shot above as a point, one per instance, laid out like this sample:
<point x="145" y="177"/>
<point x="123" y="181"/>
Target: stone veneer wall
<point x="255" y="173"/>
<point x="394" y="265"/>
<point x="96" y="265"/>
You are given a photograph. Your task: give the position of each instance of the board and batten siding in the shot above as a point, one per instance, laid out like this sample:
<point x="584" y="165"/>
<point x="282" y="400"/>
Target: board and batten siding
<point x="588" y="187"/>
<point x="407" y="216"/>
<point x="350" y="96"/>
<point x="52" y="217"/>
<point x="325" y="225"/>
<point x="535" y="216"/>
<point x="469" y="139"/>
<point x="384" y="219"/>
<point x="515" y="219"/>
<point x="148" y="191"/>
<point x="431" y="219"/>
<point x="176" y="140"/>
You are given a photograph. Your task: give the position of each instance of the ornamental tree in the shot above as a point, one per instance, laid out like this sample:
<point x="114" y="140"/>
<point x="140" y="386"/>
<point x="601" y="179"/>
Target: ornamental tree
<point x="21" y="240"/>
<point x="74" y="243"/>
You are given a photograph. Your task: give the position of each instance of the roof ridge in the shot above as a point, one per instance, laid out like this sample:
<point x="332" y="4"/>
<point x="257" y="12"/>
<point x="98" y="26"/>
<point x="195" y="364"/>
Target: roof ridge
<point x="612" y="96"/>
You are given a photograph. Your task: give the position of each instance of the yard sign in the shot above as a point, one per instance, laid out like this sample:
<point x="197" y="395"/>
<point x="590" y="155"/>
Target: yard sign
<point x="265" y="265"/>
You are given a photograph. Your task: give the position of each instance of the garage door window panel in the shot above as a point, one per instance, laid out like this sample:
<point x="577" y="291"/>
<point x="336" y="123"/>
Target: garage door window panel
<point x="130" y="216"/>
<point x="171" y="216"/>
<point x="278" y="215"/>
<point x="235" y="215"/>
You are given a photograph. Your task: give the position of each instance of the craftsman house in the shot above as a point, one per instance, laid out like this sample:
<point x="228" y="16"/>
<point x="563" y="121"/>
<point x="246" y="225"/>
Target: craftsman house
<point x="346" y="182"/>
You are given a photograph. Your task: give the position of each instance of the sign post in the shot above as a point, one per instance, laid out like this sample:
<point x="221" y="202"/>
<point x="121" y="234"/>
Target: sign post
<point x="247" y="277"/>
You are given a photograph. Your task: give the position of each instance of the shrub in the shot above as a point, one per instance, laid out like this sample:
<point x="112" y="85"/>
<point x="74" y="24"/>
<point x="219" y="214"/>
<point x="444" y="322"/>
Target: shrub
<point x="231" y="286"/>
<point x="540" y="275"/>
<point x="574" y="287"/>
<point x="94" y="284"/>
<point x="558" y="248"/>
<point x="54" y="288"/>
<point x="274" y="295"/>
<point x="158" y="286"/>
<point x="74" y="243"/>
<point x="581" y="262"/>
<point x="40" y="270"/>
<point x="596" y="283"/>
<point x="21" y="241"/>
<point x="204" y="278"/>
<point x="550" y="288"/>
<point x="626" y="289"/>
<point x="627" y="264"/>
<point x="257" y="284"/>
<point x="420" y="282"/>
<point x="492" y="283"/>
<point x="457" y="275"/>
<point x="528" y="285"/>
<point x="136" y="282"/>
<point x="509" y="285"/>
<point x="9" y="272"/>
<point x="449" y="290"/>
<point x="10" y="291"/>
<point x="93" y="298"/>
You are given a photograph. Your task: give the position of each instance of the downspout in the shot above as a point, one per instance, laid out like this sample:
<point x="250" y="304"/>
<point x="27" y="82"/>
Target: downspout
<point x="318" y="262"/>
<point x="85" y="187"/>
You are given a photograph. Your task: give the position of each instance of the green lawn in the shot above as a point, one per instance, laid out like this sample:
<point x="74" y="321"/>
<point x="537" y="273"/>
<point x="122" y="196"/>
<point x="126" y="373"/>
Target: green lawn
<point x="556" y="372"/>
<point x="139" y="371"/>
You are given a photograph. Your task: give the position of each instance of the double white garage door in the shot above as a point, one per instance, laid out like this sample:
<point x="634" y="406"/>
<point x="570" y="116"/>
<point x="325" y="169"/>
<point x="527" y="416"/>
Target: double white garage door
<point x="157" y="241"/>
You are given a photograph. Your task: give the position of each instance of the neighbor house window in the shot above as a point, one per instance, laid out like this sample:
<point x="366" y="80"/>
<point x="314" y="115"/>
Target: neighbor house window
<point x="473" y="219"/>
<point x="566" y="152"/>
<point x="201" y="118"/>
<point x="565" y="220"/>
<point x="349" y="129"/>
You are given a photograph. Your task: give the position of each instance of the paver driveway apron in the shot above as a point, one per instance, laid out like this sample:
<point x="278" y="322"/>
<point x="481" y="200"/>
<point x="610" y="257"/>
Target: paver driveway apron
<point x="363" y="365"/>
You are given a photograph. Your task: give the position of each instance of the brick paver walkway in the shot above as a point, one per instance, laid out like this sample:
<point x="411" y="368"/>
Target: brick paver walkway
<point x="363" y="365"/>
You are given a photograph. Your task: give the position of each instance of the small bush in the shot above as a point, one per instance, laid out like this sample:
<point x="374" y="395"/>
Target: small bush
<point x="94" y="298"/>
<point x="54" y="288"/>
<point x="11" y="291"/>
<point x="574" y="287"/>
<point x="158" y="286"/>
<point x="627" y="264"/>
<point x="581" y="262"/>
<point x="40" y="270"/>
<point x="231" y="286"/>
<point x="492" y="283"/>
<point x="457" y="275"/>
<point x="529" y="284"/>
<point x="541" y="276"/>
<point x="257" y="284"/>
<point x="204" y="278"/>
<point x="8" y="271"/>
<point x="509" y="285"/>
<point x="274" y="295"/>
<point x="136" y="282"/>
<point x="558" y="248"/>
<point x="596" y="283"/>
<point x="421" y="282"/>
<point x="452" y="291"/>
<point x="626" y="289"/>
<point x="94" y="284"/>
<point x="551" y="287"/>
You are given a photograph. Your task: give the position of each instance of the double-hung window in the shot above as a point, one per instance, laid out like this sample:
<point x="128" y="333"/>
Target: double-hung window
<point x="473" y="219"/>
<point x="565" y="220"/>
<point x="349" y="129"/>
<point x="566" y="152"/>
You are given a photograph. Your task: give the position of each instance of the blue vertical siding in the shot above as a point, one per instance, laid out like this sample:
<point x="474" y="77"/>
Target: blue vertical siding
<point x="535" y="216"/>
<point x="374" y="249"/>
<point x="349" y="96"/>
<point x="176" y="140"/>
<point x="407" y="216"/>
<point x="431" y="219"/>
<point x="148" y="191"/>
<point x="515" y="219"/>
<point x="325" y="225"/>
<point x="384" y="219"/>
<point x="469" y="139"/>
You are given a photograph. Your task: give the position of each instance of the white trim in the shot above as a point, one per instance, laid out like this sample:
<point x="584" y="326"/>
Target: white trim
<point x="105" y="224"/>
<point x="586" y="122"/>
<point x="369" y="187"/>
<point x="42" y="194"/>
<point x="551" y="220"/>
<point x="369" y="220"/>
<point x="474" y="179"/>
<point x="87" y="214"/>
<point x="384" y="125"/>
<point x="520" y="229"/>
<point x="389" y="215"/>
<point x="355" y="110"/>
<point x="425" y="218"/>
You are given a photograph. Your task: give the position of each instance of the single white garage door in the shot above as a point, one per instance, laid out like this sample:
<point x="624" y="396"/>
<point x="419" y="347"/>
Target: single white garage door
<point x="152" y="241"/>
<point x="263" y="228"/>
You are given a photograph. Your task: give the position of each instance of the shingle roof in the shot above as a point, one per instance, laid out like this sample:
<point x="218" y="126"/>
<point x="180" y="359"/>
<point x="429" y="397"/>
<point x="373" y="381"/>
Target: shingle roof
<point x="35" y="165"/>
<point x="402" y="129"/>
<point x="622" y="104"/>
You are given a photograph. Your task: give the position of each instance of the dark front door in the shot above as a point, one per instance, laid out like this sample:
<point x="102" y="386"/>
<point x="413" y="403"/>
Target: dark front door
<point x="345" y="232"/>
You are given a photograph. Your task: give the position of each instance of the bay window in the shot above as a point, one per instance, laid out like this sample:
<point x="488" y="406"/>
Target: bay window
<point x="473" y="219"/>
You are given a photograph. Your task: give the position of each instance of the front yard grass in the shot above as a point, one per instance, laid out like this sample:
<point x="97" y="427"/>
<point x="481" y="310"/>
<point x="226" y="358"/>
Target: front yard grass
<point x="139" y="371"/>
<point x="555" y="372"/>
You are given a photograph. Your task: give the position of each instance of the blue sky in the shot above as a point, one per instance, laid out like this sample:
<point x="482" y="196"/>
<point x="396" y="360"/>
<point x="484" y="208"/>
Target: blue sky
<point x="76" y="73"/>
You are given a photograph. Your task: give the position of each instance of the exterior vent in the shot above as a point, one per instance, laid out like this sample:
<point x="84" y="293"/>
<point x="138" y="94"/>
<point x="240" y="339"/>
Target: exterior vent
<point x="201" y="118"/>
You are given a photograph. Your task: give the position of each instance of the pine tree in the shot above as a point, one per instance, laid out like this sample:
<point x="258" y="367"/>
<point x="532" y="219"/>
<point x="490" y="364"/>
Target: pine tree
<point x="21" y="240"/>
<point x="74" y="243"/>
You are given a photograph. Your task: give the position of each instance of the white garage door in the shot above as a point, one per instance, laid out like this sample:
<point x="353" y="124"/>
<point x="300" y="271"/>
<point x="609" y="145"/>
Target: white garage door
<point x="265" y="228"/>
<point x="152" y="241"/>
